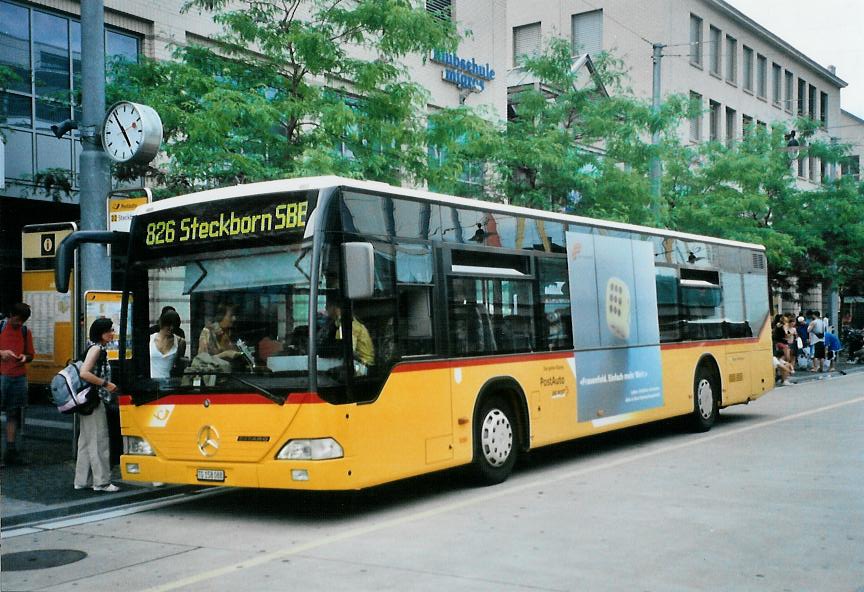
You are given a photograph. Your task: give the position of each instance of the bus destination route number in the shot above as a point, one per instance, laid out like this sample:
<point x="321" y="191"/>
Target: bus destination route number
<point x="235" y="223"/>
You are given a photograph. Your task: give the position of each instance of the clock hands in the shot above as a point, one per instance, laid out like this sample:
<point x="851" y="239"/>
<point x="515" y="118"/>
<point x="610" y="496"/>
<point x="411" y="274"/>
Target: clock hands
<point x="122" y="129"/>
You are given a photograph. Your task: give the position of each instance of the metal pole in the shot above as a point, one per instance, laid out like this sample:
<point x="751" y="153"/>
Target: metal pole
<point x="94" y="166"/>
<point x="655" y="137"/>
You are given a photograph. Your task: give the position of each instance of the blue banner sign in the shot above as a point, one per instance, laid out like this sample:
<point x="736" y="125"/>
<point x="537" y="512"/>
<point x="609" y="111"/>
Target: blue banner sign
<point x="464" y="73"/>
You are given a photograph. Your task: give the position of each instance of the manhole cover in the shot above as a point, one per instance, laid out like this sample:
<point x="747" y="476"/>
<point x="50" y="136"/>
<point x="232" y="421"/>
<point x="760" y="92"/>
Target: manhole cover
<point x="42" y="559"/>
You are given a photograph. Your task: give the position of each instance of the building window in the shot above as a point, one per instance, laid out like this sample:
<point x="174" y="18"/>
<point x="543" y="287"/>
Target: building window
<point x="776" y="84"/>
<point x="587" y="31"/>
<point x="790" y="92"/>
<point x="802" y="97"/>
<point x="695" y="40"/>
<point x="746" y="125"/>
<point x="695" y="117"/>
<point x="851" y="166"/>
<point x="713" y="121"/>
<point x="811" y="102"/>
<point x="715" y="50"/>
<point x="43" y="50"/>
<point x="823" y="109"/>
<point x="731" y="126"/>
<point x="440" y="9"/>
<point x="761" y="76"/>
<point x="731" y="60"/>
<point x="747" y="58"/>
<point x="526" y="43"/>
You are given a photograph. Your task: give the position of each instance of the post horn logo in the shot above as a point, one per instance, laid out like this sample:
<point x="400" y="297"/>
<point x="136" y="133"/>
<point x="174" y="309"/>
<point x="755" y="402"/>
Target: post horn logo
<point x="208" y="441"/>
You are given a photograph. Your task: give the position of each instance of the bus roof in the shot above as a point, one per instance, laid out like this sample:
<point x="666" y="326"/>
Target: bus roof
<point x="316" y="183"/>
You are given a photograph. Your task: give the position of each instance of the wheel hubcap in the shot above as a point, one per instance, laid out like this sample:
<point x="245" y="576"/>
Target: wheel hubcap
<point x="705" y="398"/>
<point x="496" y="437"/>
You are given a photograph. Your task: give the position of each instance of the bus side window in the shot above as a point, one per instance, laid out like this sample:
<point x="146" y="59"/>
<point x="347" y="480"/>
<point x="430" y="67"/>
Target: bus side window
<point x="414" y="277"/>
<point x="415" y="320"/>
<point x="557" y="327"/>
<point x="668" y="313"/>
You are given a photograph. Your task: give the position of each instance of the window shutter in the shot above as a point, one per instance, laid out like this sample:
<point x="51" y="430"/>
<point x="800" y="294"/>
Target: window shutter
<point x="526" y="42"/>
<point x="588" y="32"/>
<point x="439" y="9"/>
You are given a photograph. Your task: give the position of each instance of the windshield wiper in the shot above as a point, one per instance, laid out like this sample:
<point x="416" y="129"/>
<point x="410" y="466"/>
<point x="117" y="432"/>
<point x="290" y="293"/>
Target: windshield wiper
<point x="260" y="389"/>
<point x="273" y="397"/>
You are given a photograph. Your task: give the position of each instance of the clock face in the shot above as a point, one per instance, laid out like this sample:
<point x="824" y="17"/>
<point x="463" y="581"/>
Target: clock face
<point x="131" y="132"/>
<point x="123" y="134"/>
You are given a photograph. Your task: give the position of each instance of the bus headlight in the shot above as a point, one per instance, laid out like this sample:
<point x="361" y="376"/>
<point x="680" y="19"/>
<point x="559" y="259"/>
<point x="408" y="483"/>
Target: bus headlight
<point x="312" y="449"/>
<point x="136" y="445"/>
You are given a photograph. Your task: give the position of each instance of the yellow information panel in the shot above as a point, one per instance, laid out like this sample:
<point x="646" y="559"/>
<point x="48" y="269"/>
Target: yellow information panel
<point x="108" y="304"/>
<point x="121" y="206"/>
<point x="53" y="314"/>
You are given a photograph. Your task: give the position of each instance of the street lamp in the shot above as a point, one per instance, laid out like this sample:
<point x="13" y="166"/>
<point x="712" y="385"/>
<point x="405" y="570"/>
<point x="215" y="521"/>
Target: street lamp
<point x="793" y="146"/>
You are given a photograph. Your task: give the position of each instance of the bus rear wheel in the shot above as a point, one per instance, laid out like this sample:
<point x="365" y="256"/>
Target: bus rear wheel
<point x="706" y="391"/>
<point x="495" y="441"/>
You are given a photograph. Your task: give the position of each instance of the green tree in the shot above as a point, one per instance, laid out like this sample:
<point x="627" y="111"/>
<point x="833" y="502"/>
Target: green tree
<point x="570" y="146"/>
<point x="293" y="88"/>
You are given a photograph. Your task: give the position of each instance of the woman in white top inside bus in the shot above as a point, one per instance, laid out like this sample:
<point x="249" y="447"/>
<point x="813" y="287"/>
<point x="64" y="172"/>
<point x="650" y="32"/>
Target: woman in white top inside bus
<point x="166" y="347"/>
<point x="93" y="466"/>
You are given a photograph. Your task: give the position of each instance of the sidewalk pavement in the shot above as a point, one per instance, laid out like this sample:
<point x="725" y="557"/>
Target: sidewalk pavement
<point x="41" y="488"/>
<point x="804" y="375"/>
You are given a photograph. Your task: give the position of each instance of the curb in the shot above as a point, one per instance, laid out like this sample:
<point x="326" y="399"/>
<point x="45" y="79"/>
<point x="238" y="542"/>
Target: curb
<point x="106" y="500"/>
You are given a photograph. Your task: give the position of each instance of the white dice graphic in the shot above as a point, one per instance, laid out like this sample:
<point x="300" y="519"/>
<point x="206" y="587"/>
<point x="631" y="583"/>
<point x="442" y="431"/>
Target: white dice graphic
<point x="618" y="307"/>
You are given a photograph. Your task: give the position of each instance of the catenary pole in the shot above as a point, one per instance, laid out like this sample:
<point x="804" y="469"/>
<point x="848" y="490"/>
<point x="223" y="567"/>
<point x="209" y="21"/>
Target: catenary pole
<point x="655" y="137"/>
<point x="95" y="172"/>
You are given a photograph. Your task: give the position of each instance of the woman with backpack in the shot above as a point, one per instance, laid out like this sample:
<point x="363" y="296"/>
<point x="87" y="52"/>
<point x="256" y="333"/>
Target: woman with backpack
<point x="93" y="467"/>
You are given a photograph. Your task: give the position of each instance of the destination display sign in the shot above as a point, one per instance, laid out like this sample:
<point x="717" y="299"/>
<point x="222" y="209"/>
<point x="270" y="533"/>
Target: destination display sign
<point x="275" y="218"/>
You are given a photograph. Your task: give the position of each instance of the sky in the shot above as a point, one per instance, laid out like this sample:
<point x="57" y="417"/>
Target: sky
<point x="830" y="32"/>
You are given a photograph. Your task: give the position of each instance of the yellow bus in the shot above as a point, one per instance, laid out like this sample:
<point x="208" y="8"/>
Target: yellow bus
<point x="342" y="334"/>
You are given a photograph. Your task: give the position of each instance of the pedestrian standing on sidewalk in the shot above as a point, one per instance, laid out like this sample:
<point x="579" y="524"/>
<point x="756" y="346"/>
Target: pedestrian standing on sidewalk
<point x="817" y="330"/>
<point x="16" y="350"/>
<point x="803" y="343"/>
<point x="93" y="467"/>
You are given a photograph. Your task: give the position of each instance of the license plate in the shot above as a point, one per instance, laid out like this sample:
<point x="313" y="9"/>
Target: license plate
<point x="211" y="475"/>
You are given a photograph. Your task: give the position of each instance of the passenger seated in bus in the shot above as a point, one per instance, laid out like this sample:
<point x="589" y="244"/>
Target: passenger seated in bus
<point x="216" y="338"/>
<point x="330" y="337"/>
<point x="298" y="344"/>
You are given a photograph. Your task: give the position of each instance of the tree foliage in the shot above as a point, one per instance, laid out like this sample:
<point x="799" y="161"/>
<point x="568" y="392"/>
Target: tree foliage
<point x="291" y="88"/>
<point x="308" y="87"/>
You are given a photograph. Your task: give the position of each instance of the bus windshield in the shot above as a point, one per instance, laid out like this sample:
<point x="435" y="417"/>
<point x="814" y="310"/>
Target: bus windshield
<point x="234" y="322"/>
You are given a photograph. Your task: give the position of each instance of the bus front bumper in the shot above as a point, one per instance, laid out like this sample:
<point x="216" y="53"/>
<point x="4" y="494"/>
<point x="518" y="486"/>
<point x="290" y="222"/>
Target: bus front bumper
<point x="333" y="474"/>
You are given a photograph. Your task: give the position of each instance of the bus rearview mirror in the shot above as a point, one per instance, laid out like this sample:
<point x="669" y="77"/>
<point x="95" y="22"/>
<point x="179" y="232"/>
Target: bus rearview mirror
<point x="359" y="269"/>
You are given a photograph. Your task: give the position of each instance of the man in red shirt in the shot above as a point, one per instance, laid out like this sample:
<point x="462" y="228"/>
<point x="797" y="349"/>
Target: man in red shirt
<point x="16" y="350"/>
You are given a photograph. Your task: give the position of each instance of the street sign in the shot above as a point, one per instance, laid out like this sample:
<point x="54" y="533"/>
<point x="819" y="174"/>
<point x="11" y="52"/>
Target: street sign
<point x="108" y="304"/>
<point x="53" y="319"/>
<point x="121" y="205"/>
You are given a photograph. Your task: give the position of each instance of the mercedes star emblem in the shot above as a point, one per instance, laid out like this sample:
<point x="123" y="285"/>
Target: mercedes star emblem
<point x="208" y="440"/>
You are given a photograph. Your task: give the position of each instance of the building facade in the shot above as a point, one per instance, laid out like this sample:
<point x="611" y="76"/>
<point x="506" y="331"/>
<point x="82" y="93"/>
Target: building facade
<point x="741" y="73"/>
<point x="40" y="42"/>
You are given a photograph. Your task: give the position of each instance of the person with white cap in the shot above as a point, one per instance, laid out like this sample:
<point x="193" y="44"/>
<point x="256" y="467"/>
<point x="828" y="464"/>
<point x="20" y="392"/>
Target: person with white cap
<point x="803" y="343"/>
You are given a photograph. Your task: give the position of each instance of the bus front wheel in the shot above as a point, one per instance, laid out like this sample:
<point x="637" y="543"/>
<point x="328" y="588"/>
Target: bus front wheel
<point x="706" y="391"/>
<point x="495" y="441"/>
